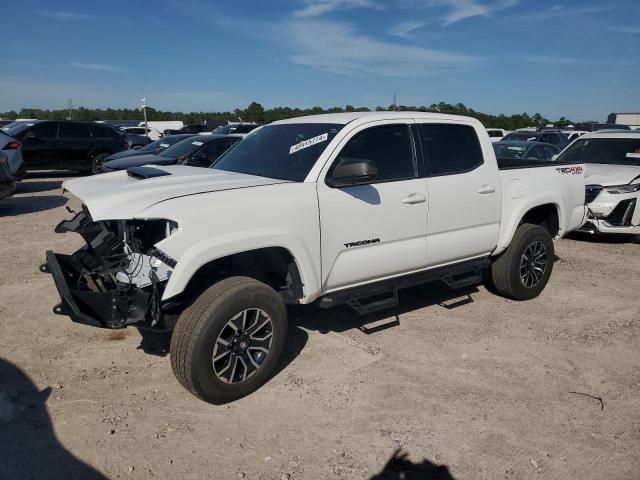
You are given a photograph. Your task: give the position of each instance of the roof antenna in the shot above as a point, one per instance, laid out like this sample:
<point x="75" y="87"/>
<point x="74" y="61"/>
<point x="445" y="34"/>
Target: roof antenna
<point x="395" y="105"/>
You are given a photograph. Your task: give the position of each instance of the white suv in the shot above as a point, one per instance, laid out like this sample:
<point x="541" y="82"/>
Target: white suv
<point x="612" y="163"/>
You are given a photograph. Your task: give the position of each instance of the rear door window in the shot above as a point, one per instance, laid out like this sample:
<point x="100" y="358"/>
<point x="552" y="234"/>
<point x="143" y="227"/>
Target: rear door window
<point x="75" y="131"/>
<point x="450" y="149"/>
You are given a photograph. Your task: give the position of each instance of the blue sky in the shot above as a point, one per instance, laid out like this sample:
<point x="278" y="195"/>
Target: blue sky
<point x="575" y="58"/>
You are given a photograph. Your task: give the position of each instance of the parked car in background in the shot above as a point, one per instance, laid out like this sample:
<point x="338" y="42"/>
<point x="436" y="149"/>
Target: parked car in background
<point x="141" y="131"/>
<point x="195" y="151"/>
<point x="612" y="168"/>
<point x="67" y="145"/>
<point x="520" y="150"/>
<point x="553" y="137"/>
<point x="136" y="142"/>
<point x="594" y="127"/>
<point x="7" y="180"/>
<point x="497" y="134"/>
<point x="12" y="151"/>
<point x="153" y="148"/>
<point x="193" y="129"/>
<point x="235" y="128"/>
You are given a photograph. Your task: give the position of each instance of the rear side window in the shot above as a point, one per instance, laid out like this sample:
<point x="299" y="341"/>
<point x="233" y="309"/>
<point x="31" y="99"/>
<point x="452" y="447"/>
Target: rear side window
<point x="75" y="131"/>
<point x="450" y="149"/>
<point x="45" y="131"/>
<point x="388" y="146"/>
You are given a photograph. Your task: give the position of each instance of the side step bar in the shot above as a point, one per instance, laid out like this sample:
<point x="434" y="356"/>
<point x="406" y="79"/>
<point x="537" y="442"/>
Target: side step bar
<point x="383" y="295"/>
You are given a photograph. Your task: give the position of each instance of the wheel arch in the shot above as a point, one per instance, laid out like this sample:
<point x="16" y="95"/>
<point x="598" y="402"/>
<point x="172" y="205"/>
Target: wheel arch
<point x="269" y="261"/>
<point x="546" y="213"/>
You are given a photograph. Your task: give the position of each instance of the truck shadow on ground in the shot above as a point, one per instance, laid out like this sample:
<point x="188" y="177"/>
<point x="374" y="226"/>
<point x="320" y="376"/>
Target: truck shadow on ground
<point x="343" y="318"/>
<point x="158" y="343"/>
<point x="603" y="238"/>
<point x="30" y="448"/>
<point x="22" y="205"/>
<point x="337" y="319"/>
<point x="35" y="187"/>
<point x="399" y="467"/>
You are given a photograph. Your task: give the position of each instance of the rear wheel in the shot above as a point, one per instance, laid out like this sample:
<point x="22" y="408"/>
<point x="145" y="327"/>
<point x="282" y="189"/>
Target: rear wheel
<point x="523" y="270"/>
<point x="97" y="162"/>
<point x="227" y="344"/>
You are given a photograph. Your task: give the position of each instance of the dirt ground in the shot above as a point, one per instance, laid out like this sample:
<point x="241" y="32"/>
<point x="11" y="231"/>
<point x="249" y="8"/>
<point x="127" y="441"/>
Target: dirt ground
<point x="458" y="386"/>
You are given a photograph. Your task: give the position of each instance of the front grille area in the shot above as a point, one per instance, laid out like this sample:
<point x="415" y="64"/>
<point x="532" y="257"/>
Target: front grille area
<point x="591" y="192"/>
<point x="622" y="214"/>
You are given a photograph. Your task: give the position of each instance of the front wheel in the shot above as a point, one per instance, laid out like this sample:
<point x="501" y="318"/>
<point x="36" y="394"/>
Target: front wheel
<point x="524" y="268"/>
<point x="228" y="342"/>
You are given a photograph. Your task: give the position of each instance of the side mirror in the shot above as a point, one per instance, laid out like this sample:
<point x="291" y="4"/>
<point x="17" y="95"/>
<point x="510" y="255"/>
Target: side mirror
<point x="353" y="171"/>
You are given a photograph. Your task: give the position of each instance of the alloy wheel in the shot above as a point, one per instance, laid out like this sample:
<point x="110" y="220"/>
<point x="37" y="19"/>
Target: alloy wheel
<point x="533" y="264"/>
<point x="242" y="346"/>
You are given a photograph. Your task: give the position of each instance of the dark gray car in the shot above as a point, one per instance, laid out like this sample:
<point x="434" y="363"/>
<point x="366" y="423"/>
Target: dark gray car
<point x="195" y="151"/>
<point x="521" y="150"/>
<point x="153" y="148"/>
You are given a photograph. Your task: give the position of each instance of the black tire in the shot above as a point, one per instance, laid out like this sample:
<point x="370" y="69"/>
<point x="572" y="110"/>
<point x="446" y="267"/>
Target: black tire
<point x="97" y="161"/>
<point x="201" y="327"/>
<point x="513" y="273"/>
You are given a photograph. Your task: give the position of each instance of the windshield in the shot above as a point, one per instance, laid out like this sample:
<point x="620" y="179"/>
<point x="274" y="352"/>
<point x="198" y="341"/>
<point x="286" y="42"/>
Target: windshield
<point x="610" y="151"/>
<point x="509" y="151"/>
<point x="184" y="147"/>
<point x="16" y="128"/>
<point x="285" y="152"/>
<point x="161" y="144"/>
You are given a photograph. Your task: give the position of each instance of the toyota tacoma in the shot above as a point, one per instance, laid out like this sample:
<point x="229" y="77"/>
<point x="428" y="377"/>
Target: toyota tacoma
<point x="329" y="209"/>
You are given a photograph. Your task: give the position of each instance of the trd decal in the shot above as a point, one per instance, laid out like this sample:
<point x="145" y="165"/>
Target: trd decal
<point x="575" y="170"/>
<point x="362" y="242"/>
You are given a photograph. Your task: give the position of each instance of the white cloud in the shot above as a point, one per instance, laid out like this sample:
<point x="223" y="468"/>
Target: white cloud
<point x="463" y="9"/>
<point x="626" y="29"/>
<point x="316" y="8"/>
<point x="64" y="16"/>
<point x="552" y="60"/>
<point x="337" y="48"/>
<point x="405" y="29"/>
<point x="557" y="11"/>
<point x="96" y="66"/>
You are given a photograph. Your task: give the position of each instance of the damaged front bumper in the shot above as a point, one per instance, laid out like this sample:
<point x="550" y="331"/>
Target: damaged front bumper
<point x="117" y="278"/>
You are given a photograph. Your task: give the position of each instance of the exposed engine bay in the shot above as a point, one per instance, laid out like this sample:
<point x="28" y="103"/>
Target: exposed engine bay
<point x="118" y="277"/>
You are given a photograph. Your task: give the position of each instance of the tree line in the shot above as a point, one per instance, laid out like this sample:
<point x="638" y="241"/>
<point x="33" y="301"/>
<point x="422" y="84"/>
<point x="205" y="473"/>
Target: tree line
<point x="257" y="113"/>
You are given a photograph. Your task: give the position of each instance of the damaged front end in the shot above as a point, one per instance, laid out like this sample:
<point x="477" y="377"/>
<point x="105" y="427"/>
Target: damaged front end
<point x="118" y="277"/>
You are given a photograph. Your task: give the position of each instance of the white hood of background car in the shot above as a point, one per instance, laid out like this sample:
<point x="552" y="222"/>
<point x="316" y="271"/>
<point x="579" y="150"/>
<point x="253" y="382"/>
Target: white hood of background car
<point x="601" y="174"/>
<point x="117" y="196"/>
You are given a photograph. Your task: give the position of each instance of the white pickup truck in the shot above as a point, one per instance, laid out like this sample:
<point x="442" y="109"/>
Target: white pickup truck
<point x="332" y="209"/>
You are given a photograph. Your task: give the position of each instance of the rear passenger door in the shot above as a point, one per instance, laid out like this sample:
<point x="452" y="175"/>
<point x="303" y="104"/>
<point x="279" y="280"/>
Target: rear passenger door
<point x="378" y="229"/>
<point x="74" y="146"/>
<point x="464" y="193"/>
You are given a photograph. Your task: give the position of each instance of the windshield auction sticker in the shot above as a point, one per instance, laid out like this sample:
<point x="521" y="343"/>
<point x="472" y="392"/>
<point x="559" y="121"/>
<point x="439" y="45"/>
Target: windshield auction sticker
<point x="308" y="143"/>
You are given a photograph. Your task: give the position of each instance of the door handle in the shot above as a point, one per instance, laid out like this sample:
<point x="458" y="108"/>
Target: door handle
<point x="484" y="189"/>
<point x="413" y="199"/>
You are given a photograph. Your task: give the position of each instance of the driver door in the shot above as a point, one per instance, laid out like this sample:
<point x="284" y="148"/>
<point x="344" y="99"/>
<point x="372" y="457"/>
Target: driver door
<point x="374" y="230"/>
